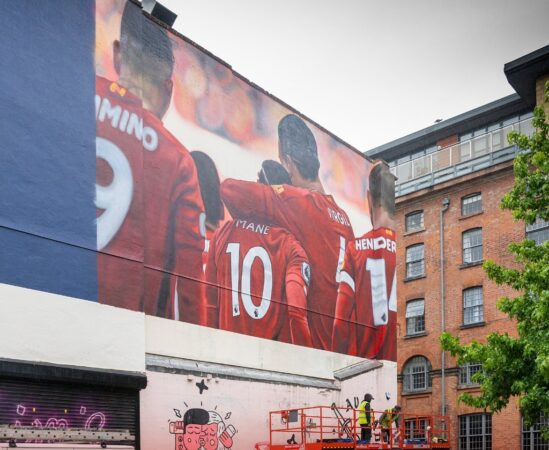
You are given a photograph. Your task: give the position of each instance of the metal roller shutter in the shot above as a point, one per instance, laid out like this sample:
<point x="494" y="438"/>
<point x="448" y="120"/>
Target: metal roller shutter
<point x="56" y="405"/>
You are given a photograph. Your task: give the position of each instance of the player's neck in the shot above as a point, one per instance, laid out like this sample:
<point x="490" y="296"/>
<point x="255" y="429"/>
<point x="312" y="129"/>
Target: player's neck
<point x="311" y="185"/>
<point x="139" y="89"/>
<point x="130" y="84"/>
<point x="382" y="220"/>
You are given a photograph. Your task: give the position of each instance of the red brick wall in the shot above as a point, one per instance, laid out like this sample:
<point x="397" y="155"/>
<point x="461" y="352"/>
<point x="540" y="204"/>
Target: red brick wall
<point x="499" y="229"/>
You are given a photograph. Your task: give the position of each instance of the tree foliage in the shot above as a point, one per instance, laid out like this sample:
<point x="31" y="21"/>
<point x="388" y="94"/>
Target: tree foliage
<point x="519" y="366"/>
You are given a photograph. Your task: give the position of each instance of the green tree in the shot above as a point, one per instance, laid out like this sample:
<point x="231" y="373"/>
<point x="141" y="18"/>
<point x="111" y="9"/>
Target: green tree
<point x="519" y="366"/>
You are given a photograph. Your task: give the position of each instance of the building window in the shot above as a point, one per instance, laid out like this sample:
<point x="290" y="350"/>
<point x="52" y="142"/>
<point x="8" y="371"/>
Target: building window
<point x="416" y="428"/>
<point x="415" y="262"/>
<point x="415" y="317"/>
<point x="472" y="246"/>
<point x="414" y="221"/>
<point x="472" y="306"/>
<point x="417" y="374"/>
<point x="466" y="373"/>
<point x="538" y="231"/>
<point x="475" y="432"/>
<point x="532" y="438"/>
<point x="471" y="204"/>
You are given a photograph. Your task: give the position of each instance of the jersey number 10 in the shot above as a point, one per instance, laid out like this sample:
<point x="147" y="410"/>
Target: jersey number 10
<point x="244" y="280"/>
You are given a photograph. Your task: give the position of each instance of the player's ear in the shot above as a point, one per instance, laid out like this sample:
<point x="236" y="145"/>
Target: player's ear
<point x="116" y="55"/>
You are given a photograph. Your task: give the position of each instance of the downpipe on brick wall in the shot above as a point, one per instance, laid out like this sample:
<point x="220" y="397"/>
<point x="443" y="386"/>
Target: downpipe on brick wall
<point x="445" y="206"/>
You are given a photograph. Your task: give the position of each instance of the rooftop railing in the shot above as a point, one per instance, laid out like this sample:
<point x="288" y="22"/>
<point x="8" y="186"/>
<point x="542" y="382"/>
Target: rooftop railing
<point x="459" y="159"/>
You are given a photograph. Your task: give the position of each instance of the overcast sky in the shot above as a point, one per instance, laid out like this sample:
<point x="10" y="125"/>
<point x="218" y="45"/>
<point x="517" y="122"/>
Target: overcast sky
<point x="370" y="71"/>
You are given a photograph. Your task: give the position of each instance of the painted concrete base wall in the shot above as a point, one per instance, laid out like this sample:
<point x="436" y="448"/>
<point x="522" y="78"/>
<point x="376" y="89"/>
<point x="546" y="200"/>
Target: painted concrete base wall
<point x="381" y="383"/>
<point x="242" y="406"/>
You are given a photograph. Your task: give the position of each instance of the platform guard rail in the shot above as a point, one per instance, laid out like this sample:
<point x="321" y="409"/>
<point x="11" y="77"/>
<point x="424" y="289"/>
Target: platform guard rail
<point x="333" y="427"/>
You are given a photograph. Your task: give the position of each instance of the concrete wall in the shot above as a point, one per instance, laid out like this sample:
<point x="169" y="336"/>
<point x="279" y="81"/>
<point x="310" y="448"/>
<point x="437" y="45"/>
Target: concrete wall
<point x="42" y="327"/>
<point x="183" y="340"/>
<point x="245" y="404"/>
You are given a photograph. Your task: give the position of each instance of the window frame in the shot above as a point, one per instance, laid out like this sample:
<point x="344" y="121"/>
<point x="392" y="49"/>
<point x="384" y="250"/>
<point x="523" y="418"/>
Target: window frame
<point x="412" y="263"/>
<point x="421" y="226"/>
<point x="414" y="319"/>
<point x="531" y="437"/>
<point x="466" y="372"/>
<point x="411" y="377"/>
<point x="538" y="228"/>
<point x="465" y="438"/>
<point x="464" y="204"/>
<point x="473" y="307"/>
<point x="416" y="428"/>
<point x="469" y="253"/>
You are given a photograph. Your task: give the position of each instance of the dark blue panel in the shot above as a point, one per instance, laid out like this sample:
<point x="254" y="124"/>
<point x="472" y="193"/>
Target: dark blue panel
<point x="40" y="263"/>
<point x="47" y="144"/>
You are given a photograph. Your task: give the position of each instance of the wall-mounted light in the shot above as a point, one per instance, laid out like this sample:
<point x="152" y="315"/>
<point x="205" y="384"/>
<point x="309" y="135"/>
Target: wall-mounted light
<point x="159" y="11"/>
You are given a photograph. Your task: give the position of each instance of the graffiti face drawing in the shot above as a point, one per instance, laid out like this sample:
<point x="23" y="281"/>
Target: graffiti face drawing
<point x="200" y="437"/>
<point x="202" y="430"/>
<point x="209" y="436"/>
<point x="191" y="437"/>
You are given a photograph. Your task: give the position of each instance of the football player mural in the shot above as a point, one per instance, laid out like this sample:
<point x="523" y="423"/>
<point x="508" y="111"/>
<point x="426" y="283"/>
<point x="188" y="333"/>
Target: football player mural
<point x="219" y="206"/>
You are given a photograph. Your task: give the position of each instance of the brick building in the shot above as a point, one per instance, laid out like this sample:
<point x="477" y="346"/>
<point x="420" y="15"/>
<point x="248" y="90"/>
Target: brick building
<point x="450" y="180"/>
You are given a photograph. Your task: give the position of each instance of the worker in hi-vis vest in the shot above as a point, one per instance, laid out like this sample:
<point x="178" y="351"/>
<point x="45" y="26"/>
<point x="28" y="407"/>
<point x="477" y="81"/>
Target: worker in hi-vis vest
<point x="365" y="418"/>
<point x="387" y="418"/>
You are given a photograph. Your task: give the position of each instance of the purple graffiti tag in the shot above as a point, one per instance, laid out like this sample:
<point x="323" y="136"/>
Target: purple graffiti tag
<point x="82" y="410"/>
<point x="21" y="410"/>
<point x="56" y="423"/>
<point x="37" y="423"/>
<point x="96" y="416"/>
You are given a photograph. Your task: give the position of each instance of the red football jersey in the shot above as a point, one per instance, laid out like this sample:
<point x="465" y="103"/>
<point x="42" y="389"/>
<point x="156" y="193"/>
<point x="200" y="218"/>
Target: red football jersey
<point x="366" y="302"/>
<point x="149" y="210"/>
<point x="250" y="273"/>
<point x="317" y="222"/>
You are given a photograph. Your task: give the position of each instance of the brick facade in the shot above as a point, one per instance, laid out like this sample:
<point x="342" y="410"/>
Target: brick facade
<point x="498" y="230"/>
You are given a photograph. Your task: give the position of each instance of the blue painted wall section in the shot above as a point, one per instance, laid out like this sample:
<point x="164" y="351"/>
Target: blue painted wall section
<point x="47" y="149"/>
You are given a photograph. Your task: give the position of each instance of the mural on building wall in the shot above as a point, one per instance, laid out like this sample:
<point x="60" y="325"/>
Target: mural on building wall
<point x="203" y="199"/>
<point x="218" y="206"/>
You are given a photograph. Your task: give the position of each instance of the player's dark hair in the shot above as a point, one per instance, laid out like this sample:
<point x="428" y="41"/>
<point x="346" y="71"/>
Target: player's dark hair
<point x="382" y="188"/>
<point x="209" y="182"/>
<point x="272" y="172"/>
<point x="195" y="416"/>
<point x="145" y="45"/>
<point x="296" y="141"/>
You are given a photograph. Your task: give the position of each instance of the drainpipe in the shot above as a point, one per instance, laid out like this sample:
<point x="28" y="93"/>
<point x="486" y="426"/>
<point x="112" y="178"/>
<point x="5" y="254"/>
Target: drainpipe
<point x="445" y="205"/>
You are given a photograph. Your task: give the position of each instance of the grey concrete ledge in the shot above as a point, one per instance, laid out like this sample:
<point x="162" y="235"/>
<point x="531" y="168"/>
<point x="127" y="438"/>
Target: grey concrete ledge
<point x="357" y="369"/>
<point x="159" y="363"/>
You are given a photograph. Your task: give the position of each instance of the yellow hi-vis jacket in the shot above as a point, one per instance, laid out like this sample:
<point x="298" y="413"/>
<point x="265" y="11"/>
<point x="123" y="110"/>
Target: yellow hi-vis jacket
<point x="362" y="418"/>
<point x="388" y="418"/>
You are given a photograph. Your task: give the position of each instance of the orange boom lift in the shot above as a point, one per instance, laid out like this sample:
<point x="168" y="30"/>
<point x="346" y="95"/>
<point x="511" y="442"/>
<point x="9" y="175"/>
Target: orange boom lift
<point x="333" y="427"/>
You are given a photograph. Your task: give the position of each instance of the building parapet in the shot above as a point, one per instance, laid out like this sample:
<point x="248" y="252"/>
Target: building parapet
<point x="458" y="159"/>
